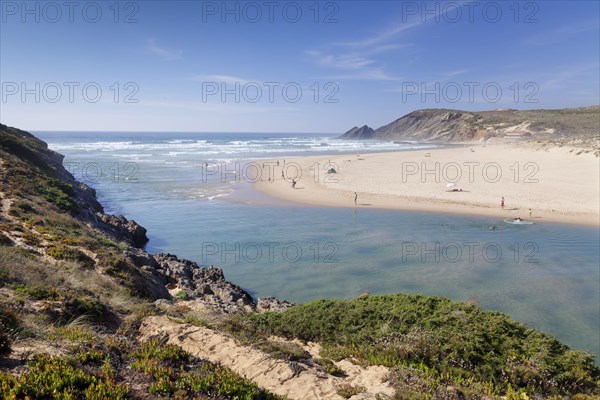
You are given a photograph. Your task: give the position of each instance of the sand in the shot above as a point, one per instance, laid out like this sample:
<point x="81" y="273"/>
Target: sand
<point x="304" y="382"/>
<point x="558" y="184"/>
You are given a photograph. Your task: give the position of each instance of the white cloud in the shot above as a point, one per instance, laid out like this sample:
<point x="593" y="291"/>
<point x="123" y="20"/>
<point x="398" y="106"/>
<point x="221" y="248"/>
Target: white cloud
<point x="165" y="54"/>
<point x="455" y="72"/>
<point x="229" y="79"/>
<point x="561" y="34"/>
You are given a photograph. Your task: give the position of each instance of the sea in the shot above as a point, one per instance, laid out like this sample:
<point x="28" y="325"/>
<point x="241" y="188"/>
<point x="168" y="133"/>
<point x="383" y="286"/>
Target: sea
<point x="194" y="194"/>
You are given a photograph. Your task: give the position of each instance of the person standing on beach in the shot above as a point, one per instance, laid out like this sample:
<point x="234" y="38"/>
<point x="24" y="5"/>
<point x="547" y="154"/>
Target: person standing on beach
<point x="530" y="213"/>
<point x="355" y="198"/>
<point x="502" y="203"/>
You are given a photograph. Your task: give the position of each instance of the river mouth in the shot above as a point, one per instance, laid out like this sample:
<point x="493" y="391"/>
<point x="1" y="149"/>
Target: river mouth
<point x="545" y="275"/>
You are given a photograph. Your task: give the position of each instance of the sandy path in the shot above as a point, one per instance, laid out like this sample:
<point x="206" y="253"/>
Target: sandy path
<point x="275" y="375"/>
<point x="557" y="184"/>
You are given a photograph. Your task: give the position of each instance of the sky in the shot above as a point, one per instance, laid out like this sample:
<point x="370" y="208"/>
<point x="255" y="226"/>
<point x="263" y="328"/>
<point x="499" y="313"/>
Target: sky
<point x="287" y="66"/>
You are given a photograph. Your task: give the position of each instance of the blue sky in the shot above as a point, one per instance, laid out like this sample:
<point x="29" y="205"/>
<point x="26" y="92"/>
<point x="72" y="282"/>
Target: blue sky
<point x="297" y="66"/>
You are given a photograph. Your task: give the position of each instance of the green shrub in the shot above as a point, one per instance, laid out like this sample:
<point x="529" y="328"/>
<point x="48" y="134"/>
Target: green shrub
<point x="21" y="208"/>
<point x="39" y="292"/>
<point x="60" y="377"/>
<point x="58" y="193"/>
<point x="155" y="350"/>
<point x="88" y="306"/>
<point x="347" y="391"/>
<point x="169" y="368"/>
<point x="414" y="330"/>
<point x="61" y="252"/>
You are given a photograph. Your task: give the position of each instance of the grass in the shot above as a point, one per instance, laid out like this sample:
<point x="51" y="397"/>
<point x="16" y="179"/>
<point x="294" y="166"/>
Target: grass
<point x="168" y="366"/>
<point x="62" y="252"/>
<point x="347" y="391"/>
<point x="282" y="350"/>
<point x="329" y="367"/>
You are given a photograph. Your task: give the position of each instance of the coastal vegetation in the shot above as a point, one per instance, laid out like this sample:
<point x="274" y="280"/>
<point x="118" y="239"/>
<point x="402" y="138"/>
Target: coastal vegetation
<point x="433" y="341"/>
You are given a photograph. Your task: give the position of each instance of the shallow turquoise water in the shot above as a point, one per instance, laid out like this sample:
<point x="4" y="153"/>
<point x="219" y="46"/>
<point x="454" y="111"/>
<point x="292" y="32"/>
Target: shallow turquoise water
<point x="546" y="275"/>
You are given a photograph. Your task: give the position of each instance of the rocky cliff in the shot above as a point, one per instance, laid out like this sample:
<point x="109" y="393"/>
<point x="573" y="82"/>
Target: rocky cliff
<point x="35" y="180"/>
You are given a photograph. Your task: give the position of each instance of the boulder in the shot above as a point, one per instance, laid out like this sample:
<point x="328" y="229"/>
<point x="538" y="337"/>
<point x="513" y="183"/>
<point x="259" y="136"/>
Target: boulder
<point x="272" y="304"/>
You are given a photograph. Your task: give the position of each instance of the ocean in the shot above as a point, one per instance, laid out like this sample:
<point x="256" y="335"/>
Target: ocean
<point x="192" y="192"/>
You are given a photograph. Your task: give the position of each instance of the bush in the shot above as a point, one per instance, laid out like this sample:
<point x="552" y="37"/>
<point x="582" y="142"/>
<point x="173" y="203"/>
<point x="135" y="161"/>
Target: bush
<point x="414" y="330"/>
<point x="60" y="377"/>
<point x="182" y="295"/>
<point x="5" y="240"/>
<point x="9" y="325"/>
<point x="61" y="252"/>
<point x="347" y="391"/>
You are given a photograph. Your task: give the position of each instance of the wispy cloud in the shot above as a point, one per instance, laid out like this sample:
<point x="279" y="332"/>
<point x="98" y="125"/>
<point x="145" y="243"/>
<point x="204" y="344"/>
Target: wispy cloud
<point x="361" y="56"/>
<point x="164" y="53"/>
<point x="228" y="79"/>
<point x="381" y="36"/>
<point x="343" y="61"/>
<point x="566" y="77"/>
<point x="354" y="66"/>
<point x="457" y="72"/>
<point x="561" y="34"/>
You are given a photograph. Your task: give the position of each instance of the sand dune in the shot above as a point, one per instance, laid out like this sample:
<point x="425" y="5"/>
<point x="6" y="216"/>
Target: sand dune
<point x="302" y="383"/>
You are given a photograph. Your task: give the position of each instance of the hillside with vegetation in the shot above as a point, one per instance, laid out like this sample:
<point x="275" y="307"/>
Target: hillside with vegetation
<point x="85" y="312"/>
<point x="579" y="127"/>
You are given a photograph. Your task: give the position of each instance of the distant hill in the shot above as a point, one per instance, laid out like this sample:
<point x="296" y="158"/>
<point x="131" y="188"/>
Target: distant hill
<point x="579" y="126"/>
<point x="364" y="132"/>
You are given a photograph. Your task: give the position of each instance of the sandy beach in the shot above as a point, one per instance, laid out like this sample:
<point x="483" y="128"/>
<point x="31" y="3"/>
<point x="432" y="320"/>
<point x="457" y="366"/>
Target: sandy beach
<point x="558" y="184"/>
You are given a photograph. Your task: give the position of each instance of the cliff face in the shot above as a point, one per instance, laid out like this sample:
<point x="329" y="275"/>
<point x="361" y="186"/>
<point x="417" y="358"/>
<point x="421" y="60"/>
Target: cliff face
<point x="567" y="126"/>
<point x="431" y="125"/>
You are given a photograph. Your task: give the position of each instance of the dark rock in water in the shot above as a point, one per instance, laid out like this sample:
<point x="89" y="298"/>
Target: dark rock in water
<point x="127" y="230"/>
<point x="272" y="304"/>
<point x="208" y="284"/>
<point x="364" y="132"/>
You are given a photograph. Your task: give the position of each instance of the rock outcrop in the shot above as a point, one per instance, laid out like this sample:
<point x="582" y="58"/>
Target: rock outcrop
<point x="127" y="230"/>
<point x="272" y="304"/>
<point x="364" y="132"/>
<point x="205" y="284"/>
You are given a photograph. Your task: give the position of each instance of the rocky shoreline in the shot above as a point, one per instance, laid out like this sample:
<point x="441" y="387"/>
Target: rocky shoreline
<point x="165" y="275"/>
<point x="181" y="277"/>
